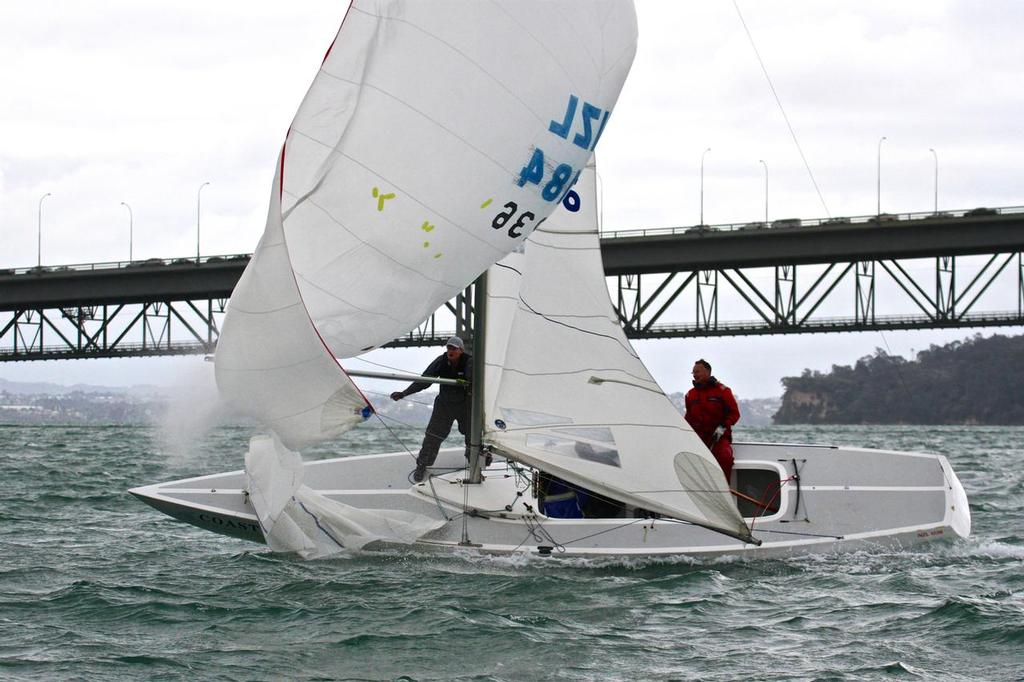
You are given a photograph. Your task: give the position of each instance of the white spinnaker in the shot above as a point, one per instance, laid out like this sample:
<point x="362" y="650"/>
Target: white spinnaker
<point x="567" y="393"/>
<point x="295" y="518"/>
<point x="433" y="140"/>
<point x="270" y="361"/>
<point x="414" y="136"/>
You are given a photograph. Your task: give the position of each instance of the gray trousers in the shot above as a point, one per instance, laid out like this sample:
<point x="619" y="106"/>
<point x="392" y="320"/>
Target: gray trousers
<point x="445" y="414"/>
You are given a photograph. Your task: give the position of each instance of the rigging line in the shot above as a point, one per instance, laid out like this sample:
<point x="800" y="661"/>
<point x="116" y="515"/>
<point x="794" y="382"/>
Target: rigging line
<point x="510" y="429"/>
<point x="778" y="101"/>
<point x="508" y="267"/>
<point x="392" y="433"/>
<point x="765" y="507"/>
<point x="567" y="372"/>
<point x="400" y="422"/>
<point x="677" y="490"/>
<point x="465" y="513"/>
<point x="558" y="247"/>
<point x="388" y="396"/>
<point x="544" y="230"/>
<point x="607" y="530"/>
<point x="539" y="533"/>
<point x="896" y="366"/>
<point x="626" y="347"/>
<point x="595" y="316"/>
<point x="809" y="535"/>
<point x="759" y="530"/>
<point x="437" y="500"/>
<point x="599" y="381"/>
<point x="378" y="364"/>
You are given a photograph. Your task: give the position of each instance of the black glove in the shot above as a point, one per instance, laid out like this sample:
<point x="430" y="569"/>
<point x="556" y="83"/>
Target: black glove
<point x="397" y="395"/>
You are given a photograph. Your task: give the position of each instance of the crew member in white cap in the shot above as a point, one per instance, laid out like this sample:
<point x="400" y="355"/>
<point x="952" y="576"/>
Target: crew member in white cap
<point x="452" y="404"/>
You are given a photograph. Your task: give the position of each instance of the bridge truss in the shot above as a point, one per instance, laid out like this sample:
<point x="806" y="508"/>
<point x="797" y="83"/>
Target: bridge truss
<point x="925" y="271"/>
<point x="787" y="299"/>
<point x="792" y="298"/>
<point x="161" y="327"/>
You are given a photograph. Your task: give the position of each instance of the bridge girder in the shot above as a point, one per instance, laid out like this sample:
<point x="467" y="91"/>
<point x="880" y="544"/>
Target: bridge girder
<point x="173" y="307"/>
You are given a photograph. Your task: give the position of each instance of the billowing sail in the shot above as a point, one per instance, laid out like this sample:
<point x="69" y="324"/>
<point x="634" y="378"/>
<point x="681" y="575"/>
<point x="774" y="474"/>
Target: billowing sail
<point x="566" y="392"/>
<point x="271" y="362"/>
<point x="435" y="138"/>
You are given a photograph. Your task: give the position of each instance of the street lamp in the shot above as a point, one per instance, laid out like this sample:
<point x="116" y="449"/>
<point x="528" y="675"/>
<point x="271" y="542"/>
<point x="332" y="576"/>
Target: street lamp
<point x="936" y="179"/>
<point x="131" y="229"/>
<point x="702" y="186"/>
<point x="763" y="163"/>
<point x="39" y="225"/>
<point x="199" y="198"/>
<point x="879" y="193"/>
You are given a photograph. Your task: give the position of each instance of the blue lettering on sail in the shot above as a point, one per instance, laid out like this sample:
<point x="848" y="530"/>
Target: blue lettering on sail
<point x="556" y="186"/>
<point x="562" y="129"/>
<point x="590" y="112"/>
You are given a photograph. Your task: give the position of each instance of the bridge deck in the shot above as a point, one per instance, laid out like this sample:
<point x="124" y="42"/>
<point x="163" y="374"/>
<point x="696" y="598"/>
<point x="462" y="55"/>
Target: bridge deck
<point x="625" y="253"/>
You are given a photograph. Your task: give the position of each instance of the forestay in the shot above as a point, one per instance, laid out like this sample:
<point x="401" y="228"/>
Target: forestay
<point x="567" y="393"/>
<point x="434" y="139"/>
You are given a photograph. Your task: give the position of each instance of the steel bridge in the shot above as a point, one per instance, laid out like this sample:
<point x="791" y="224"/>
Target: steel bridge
<point x="789" y="276"/>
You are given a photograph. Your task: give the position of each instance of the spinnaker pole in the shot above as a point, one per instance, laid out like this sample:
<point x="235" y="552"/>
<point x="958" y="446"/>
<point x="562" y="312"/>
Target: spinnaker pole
<point x="476" y="419"/>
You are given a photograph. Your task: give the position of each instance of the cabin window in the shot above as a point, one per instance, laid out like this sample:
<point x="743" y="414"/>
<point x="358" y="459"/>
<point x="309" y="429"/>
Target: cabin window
<point x="758" y="490"/>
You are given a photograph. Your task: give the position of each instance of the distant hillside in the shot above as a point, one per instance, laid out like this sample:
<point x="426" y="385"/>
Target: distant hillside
<point x="46" y="388"/>
<point x="45" y="403"/>
<point x="977" y="381"/>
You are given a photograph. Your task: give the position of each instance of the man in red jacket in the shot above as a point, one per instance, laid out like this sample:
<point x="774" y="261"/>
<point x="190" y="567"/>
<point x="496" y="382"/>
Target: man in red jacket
<point x="711" y="410"/>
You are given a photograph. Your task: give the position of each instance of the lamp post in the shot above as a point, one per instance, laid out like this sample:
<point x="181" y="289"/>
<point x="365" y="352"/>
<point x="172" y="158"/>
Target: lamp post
<point x="763" y="163"/>
<point x="131" y="229"/>
<point x="199" y="199"/>
<point x="702" y="186"/>
<point x="39" y="225"/>
<point x="936" y="178"/>
<point x="878" y="212"/>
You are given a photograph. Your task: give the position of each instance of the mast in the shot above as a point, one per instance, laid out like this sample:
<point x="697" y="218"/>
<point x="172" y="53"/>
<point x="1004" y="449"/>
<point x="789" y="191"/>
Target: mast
<point x="476" y="419"/>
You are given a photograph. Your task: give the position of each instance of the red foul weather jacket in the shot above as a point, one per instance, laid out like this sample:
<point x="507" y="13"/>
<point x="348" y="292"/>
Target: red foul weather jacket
<point x="710" y="405"/>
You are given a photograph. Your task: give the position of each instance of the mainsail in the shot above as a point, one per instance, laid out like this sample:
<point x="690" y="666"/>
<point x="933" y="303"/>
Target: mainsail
<point x="435" y="138"/>
<point x="566" y="392"/>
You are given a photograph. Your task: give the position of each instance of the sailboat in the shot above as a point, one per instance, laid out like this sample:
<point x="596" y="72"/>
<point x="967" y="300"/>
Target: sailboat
<point x="395" y="189"/>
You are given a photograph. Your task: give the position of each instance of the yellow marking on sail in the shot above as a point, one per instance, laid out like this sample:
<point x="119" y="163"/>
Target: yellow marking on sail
<point x="381" y="198"/>
<point x="437" y="255"/>
<point x="426" y="226"/>
<point x="486" y="203"/>
<point x="426" y="244"/>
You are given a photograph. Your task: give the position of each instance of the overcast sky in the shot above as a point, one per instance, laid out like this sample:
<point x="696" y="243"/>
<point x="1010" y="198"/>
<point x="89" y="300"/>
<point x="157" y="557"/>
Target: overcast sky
<point x="111" y="102"/>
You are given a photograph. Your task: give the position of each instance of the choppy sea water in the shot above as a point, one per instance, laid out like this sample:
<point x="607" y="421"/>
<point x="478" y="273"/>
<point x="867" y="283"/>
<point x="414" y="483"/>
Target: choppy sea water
<point x="95" y="585"/>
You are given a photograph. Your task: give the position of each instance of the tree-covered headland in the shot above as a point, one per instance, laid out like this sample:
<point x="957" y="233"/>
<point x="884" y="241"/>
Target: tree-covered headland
<point x="977" y="381"/>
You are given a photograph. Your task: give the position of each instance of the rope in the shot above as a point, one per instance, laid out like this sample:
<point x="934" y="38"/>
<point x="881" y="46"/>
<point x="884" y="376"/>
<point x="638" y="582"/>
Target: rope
<point x="765" y="507"/>
<point x="393" y="434"/>
<point x="608" y="530"/>
<point x="539" y="534"/>
<point x="771" y="86"/>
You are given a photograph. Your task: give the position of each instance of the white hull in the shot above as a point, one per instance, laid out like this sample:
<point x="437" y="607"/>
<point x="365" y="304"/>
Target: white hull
<point x="845" y="499"/>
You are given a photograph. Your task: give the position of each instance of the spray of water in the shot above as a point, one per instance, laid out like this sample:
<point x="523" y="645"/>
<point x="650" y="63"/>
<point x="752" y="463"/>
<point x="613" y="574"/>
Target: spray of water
<point x="194" y="411"/>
